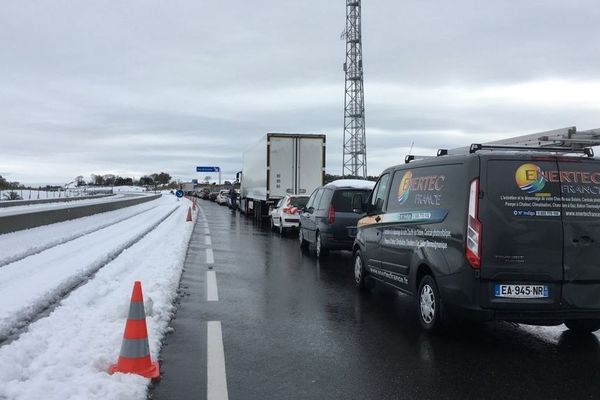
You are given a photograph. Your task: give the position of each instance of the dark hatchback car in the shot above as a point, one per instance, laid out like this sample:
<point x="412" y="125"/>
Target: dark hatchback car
<point x="491" y="235"/>
<point x="328" y="221"/>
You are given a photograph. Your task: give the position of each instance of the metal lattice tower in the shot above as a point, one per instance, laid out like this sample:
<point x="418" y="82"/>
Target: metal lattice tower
<point x="355" y="147"/>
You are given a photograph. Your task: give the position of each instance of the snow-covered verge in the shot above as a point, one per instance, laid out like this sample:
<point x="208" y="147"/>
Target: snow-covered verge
<point x="16" y="245"/>
<point x="66" y="355"/>
<point x="35" y="194"/>
<point x="24" y="209"/>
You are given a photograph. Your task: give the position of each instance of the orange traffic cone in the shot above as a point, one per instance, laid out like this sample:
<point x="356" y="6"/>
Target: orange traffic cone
<point x="189" y="216"/>
<point x="135" y="353"/>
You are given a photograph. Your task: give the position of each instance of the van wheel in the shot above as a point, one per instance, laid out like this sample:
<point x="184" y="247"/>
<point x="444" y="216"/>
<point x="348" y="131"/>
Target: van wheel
<point x="303" y="242"/>
<point x="319" y="250"/>
<point x="361" y="280"/>
<point x="583" y="325"/>
<point x="430" y="305"/>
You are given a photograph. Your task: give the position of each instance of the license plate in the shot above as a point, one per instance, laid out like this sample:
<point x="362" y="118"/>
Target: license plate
<point x="522" y="291"/>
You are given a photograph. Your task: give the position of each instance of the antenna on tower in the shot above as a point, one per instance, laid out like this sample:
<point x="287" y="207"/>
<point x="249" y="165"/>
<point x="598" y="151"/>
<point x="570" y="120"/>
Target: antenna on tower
<point x="355" y="147"/>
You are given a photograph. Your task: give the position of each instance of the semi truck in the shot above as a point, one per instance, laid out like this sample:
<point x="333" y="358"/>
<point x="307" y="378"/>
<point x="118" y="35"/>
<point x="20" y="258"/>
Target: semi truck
<point x="277" y="165"/>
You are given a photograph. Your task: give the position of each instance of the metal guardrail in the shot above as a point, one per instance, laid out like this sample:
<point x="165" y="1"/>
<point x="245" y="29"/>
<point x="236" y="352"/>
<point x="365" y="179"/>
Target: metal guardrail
<point x="13" y="223"/>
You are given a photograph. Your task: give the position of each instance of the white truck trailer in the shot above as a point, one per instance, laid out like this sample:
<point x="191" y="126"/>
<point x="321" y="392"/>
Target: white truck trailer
<point x="280" y="164"/>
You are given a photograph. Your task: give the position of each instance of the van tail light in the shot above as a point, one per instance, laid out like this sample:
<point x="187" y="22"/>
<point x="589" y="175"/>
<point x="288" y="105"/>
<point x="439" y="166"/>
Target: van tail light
<point x="331" y="215"/>
<point x="473" y="250"/>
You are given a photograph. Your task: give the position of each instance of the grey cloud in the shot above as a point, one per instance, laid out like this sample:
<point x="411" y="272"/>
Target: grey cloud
<point x="135" y="87"/>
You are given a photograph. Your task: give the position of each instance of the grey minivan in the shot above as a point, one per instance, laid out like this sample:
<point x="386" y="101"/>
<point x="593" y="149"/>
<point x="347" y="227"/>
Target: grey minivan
<point x="328" y="221"/>
<point x="491" y="235"/>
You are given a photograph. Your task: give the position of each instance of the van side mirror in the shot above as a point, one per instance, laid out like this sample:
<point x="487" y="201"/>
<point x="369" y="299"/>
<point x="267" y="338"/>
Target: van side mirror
<point x="358" y="206"/>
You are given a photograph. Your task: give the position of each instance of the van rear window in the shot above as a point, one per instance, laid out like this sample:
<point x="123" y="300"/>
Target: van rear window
<point x="342" y="199"/>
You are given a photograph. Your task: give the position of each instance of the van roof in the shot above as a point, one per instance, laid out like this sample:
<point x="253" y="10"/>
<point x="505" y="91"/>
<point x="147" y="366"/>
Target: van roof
<point x="486" y="154"/>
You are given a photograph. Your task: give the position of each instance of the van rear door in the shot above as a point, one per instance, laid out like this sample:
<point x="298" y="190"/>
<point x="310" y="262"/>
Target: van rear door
<point x="580" y="181"/>
<point x="522" y="234"/>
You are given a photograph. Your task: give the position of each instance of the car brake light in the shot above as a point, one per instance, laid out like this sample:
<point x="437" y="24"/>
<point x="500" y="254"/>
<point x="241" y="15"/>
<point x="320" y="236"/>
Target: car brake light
<point x="473" y="250"/>
<point x="331" y="215"/>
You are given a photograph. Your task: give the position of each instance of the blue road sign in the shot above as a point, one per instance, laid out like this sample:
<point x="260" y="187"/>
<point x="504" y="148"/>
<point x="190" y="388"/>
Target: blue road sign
<point x="179" y="193"/>
<point x="208" y="169"/>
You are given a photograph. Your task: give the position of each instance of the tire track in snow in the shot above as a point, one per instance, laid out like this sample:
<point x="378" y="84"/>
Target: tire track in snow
<point x="13" y="326"/>
<point x="38" y="250"/>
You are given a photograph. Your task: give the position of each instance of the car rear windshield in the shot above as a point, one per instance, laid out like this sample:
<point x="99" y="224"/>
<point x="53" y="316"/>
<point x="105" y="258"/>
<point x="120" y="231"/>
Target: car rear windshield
<point x="298" y="201"/>
<point x="342" y="199"/>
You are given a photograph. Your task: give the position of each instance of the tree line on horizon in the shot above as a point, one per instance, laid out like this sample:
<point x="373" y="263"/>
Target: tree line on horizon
<point x="156" y="179"/>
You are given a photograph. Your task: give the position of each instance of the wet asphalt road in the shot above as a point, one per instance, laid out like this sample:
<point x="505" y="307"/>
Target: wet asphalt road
<point x="295" y="328"/>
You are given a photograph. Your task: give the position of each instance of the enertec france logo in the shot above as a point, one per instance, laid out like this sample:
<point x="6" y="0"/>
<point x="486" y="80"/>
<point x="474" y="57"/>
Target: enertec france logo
<point x="404" y="188"/>
<point x="530" y="178"/>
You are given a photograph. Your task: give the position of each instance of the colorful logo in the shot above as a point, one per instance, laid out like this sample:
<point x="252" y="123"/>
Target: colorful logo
<point x="404" y="188"/>
<point x="530" y="178"/>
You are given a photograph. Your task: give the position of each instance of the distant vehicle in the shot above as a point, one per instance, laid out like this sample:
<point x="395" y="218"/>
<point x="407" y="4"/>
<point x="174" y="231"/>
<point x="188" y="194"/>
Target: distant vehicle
<point x="222" y="197"/>
<point x="329" y="218"/>
<point x="213" y="196"/>
<point x="494" y="234"/>
<point x="278" y="165"/>
<point x="286" y="213"/>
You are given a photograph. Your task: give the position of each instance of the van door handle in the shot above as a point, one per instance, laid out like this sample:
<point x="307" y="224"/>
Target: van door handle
<point x="377" y="218"/>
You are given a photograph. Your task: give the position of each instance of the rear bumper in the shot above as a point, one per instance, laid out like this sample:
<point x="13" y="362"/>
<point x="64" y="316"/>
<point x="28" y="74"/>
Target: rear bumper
<point x="291" y="222"/>
<point x="467" y="297"/>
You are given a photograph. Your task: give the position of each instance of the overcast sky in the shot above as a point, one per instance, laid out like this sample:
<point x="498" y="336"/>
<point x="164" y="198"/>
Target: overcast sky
<point x="135" y="87"/>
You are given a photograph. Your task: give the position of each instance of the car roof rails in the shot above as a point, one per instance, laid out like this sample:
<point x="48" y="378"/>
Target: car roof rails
<point x="412" y="157"/>
<point x="565" y="140"/>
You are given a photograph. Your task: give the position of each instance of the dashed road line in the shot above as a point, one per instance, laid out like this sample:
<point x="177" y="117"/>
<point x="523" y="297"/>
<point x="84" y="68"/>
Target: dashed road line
<point x="210" y="257"/>
<point x="212" y="291"/>
<point x="216" y="388"/>
<point x="207" y="240"/>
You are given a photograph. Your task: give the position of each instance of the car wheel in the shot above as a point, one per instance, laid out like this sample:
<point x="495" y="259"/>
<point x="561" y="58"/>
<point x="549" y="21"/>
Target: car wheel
<point x="319" y="250"/>
<point x="281" y="228"/>
<point x="430" y="305"/>
<point x="303" y="242"/>
<point x="361" y="280"/>
<point x="583" y="325"/>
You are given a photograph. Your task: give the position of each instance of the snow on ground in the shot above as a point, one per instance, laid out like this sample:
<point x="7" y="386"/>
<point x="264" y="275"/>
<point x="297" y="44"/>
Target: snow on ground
<point x="33" y="194"/>
<point x="53" y="206"/>
<point x="16" y="245"/>
<point x="27" y="286"/>
<point x="37" y="194"/>
<point x="66" y="355"/>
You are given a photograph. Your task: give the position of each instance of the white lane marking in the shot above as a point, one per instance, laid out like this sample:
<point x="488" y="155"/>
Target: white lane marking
<point x="212" y="292"/>
<point x="207" y="240"/>
<point x="210" y="257"/>
<point x="206" y="231"/>
<point x="216" y="388"/>
<point x="206" y="225"/>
